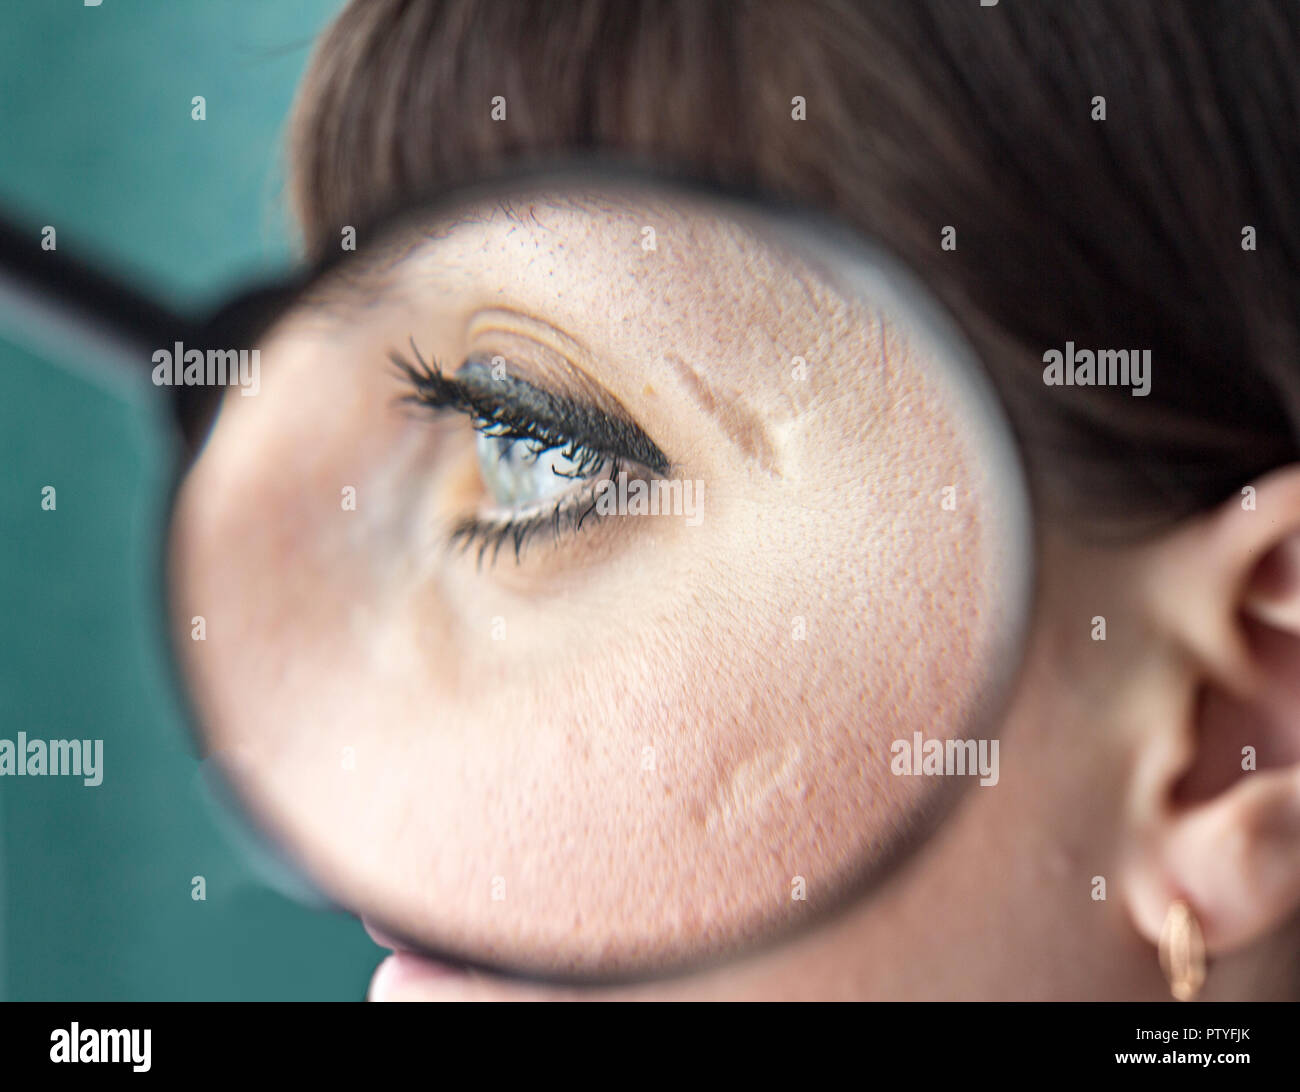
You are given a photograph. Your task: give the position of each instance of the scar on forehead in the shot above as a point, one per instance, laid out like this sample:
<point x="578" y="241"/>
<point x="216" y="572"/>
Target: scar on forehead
<point x="742" y="425"/>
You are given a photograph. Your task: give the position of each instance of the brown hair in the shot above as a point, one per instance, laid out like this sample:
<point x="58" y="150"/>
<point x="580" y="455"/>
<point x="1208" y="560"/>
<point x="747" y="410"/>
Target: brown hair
<point x="1125" y="232"/>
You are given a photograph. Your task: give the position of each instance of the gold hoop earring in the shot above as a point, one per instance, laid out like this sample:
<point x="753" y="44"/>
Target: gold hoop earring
<point x="1182" y="951"/>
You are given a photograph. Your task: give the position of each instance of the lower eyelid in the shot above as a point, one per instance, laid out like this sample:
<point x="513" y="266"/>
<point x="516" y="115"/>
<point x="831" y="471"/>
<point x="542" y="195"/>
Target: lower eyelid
<point x="575" y="486"/>
<point x="485" y="530"/>
<point x="488" y="533"/>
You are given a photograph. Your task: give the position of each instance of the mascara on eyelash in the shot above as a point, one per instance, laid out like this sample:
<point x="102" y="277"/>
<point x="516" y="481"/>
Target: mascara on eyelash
<point x="522" y="411"/>
<point x="567" y="514"/>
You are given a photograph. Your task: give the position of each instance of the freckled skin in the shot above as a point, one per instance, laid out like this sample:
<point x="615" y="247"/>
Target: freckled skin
<point x="499" y="717"/>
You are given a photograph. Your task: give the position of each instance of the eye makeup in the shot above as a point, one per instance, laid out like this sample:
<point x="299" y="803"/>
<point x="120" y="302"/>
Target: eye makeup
<point x="512" y="406"/>
<point x="530" y="441"/>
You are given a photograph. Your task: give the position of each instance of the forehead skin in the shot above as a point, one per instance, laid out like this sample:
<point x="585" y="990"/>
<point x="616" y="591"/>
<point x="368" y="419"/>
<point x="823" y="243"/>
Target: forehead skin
<point x="626" y="748"/>
<point x="711" y="309"/>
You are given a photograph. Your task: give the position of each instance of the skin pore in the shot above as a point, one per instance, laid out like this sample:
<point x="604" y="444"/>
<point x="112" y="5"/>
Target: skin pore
<point x="636" y="736"/>
<point x="420" y="725"/>
<point x="1000" y="904"/>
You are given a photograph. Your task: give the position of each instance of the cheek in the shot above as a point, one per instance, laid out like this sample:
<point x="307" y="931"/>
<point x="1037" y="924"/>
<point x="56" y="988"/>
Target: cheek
<point x="682" y="743"/>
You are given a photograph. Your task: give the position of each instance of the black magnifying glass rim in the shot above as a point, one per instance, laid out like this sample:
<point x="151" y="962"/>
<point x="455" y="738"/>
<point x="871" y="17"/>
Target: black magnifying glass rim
<point x="80" y="293"/>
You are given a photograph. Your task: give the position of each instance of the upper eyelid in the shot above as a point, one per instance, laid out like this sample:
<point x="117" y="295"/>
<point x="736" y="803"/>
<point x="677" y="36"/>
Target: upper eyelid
<point x="473" y="389"/>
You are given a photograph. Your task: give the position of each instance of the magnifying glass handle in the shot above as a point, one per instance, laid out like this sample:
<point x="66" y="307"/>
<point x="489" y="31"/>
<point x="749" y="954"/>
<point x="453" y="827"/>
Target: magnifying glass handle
<point x="59" y="302"/>
<point x="109" y="331"/>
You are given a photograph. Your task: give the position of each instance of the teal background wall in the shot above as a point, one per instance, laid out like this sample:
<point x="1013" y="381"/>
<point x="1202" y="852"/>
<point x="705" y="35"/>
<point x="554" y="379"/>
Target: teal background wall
<point x="96" y="139"/>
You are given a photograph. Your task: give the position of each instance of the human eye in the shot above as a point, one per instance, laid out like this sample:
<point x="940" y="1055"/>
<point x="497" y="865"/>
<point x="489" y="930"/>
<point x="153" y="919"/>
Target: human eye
<point x="543" y="458"/>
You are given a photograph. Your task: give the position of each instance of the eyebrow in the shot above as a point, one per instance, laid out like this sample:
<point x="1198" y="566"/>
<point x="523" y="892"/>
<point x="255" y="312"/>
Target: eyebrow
<point x="741" y="425"/>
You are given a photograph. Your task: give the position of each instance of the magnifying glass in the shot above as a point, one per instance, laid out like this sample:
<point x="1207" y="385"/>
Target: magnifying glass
<point x="586" y="575"/>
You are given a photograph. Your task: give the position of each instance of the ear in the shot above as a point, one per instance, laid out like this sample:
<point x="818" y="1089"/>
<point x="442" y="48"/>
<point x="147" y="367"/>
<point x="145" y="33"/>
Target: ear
<point x="1215" y="801"/>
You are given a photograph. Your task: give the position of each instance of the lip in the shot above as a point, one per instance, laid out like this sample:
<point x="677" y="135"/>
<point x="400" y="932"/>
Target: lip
<point x="408" y="976"/>
<point x="380" y="937"/>
<point x="404" y="975"/>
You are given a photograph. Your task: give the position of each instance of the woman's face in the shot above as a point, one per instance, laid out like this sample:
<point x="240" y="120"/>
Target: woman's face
<point x="501" y="718"/>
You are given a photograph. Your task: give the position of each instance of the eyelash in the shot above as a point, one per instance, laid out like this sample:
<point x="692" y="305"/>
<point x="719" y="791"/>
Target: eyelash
<point x="434" y="390"/>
